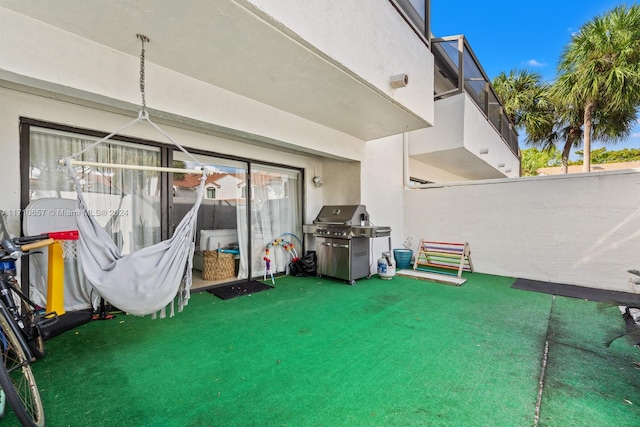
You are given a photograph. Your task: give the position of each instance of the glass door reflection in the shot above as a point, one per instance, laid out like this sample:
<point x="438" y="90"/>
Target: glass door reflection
<point x="220" y="255"/>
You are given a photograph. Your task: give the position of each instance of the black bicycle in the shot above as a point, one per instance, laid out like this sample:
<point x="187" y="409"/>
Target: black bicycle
<point x="21" y="341"/>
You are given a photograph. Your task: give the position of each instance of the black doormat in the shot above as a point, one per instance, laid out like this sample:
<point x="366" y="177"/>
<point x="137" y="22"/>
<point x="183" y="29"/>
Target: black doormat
<point x="601" y="295"/>
<point x="239" y="289"/>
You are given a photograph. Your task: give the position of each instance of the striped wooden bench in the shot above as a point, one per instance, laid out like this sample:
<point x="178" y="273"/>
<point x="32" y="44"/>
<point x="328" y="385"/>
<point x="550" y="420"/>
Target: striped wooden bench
<point x="443" y="258"/>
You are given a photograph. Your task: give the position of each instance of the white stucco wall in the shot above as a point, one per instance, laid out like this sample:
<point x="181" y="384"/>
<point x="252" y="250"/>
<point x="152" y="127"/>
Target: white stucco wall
<point x="44" y="58"/>
<point x="357" y="34"/>
<point x="480" y="134"/>
<point x="460" y="123"/>
<point x="382" y="190"/>
<point x="341" y="182"/>
<point x="581" y="229"/>
<point x="431" y="173"/>
<point x="448" y="129"/>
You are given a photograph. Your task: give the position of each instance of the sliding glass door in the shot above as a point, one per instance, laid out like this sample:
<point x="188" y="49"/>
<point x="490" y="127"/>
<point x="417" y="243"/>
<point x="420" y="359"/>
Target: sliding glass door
<point x="250" y="216"/>
<point x="275" y="218"/>
<point x="126" y="203"/>
<point x="221" y="254"/>
<point x="249" y="224"/>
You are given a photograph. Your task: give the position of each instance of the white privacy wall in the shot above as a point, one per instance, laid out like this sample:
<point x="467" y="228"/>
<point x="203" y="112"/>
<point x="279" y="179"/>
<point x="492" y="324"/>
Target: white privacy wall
<point x="580" y="229"/>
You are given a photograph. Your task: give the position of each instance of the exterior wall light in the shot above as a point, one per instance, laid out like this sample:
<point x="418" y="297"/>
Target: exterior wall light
<point x="399" y="80"/>
<point x="484" y="151"/>
<point x="500" y="165"/>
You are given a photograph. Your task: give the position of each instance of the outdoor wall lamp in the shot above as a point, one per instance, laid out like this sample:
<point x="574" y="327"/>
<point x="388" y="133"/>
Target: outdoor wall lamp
<point x="399" y="80"/>
<point x="500" y="165"/>
<point x="317" y="181"/>
<point x="484" y="151"/>
<point x="507" y="170"/>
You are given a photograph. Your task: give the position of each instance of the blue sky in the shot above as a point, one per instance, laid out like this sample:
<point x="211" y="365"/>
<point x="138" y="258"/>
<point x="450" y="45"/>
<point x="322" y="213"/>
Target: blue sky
<point x="532" y="35"/>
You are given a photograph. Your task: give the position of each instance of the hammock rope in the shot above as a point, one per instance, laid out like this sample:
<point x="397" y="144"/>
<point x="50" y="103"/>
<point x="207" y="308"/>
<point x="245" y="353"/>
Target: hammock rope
<point x="143" y="39"/>
<point x="143" y="115"/>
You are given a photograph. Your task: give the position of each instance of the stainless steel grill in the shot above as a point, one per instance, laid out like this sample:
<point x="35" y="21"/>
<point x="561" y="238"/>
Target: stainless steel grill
<point x="343" y="236"/>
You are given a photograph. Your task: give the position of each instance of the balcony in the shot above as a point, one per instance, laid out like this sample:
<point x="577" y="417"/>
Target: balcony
<point x="472" y="137"/>
<point x="286" y="56"/>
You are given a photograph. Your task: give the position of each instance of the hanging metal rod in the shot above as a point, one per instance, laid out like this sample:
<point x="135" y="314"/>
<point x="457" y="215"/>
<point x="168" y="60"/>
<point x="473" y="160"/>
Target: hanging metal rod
<point x="133" y="167"/>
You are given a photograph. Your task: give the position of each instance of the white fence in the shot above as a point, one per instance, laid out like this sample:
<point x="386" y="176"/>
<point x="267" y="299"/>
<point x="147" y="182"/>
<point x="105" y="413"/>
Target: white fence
<point x="580" y="229"/>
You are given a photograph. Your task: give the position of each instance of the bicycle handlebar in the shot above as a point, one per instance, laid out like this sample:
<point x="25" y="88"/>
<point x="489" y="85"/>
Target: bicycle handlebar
<point x="14" y="249"/>
<point x="36" y="245"/>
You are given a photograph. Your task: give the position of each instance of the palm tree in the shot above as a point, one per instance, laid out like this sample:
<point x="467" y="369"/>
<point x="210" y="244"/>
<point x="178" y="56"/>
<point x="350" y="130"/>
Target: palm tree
<point x="567" y="121"/>
<point x="600" y="73"/>
<point x="526" y="100"/>
<point x="524" y="97"/>
<point x="563" y="126"/>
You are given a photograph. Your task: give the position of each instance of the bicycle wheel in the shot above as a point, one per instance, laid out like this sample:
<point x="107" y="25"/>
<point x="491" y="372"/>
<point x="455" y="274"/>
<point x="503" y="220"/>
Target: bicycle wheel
<point x="16" y="378"/>
<point x="3" y="403"/>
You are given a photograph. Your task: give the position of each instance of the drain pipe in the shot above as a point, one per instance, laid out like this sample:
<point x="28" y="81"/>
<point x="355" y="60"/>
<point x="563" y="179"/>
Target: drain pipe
<point x="405" y="162"/>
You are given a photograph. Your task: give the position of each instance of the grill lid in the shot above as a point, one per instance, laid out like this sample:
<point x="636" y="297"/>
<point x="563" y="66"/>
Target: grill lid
<point x="350" y="215"/>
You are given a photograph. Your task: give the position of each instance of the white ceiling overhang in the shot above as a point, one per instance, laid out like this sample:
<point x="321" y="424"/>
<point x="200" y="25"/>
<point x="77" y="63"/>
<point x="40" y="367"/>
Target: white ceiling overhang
<point x="224" y="44"/>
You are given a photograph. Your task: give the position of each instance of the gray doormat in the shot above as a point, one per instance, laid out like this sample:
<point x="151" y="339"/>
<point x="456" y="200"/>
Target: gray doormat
<point x="601" y="295"/>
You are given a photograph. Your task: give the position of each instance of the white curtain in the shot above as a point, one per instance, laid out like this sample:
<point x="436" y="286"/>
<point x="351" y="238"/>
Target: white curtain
<point x="275" y="213"/>
<point x="220" y="210"/>
<point x="125" y="202"/>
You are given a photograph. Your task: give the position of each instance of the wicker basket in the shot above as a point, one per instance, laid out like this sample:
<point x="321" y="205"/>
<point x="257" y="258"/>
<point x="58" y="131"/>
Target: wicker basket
<point x="217" y="265"/>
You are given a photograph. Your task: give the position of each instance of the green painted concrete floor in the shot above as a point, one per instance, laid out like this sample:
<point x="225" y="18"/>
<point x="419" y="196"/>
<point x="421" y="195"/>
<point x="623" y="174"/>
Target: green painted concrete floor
<point x="317" y="352"/>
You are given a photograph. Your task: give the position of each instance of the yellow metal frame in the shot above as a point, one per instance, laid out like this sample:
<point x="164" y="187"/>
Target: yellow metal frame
<point x="55" y="279"/>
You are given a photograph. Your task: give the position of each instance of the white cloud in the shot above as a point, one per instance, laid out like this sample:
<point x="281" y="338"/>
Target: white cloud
<point x="536" y="63"/>
<point x="635" y="135"/>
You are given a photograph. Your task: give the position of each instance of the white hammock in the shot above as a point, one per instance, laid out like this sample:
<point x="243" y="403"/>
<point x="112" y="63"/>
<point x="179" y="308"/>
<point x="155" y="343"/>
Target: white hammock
<point x="148" y="280"/>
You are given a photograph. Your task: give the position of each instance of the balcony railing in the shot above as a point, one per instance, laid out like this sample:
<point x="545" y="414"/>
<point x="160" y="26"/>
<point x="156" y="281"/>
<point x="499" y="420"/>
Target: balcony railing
<point x="416" y="13"/>
<point x="458" y="71"/>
